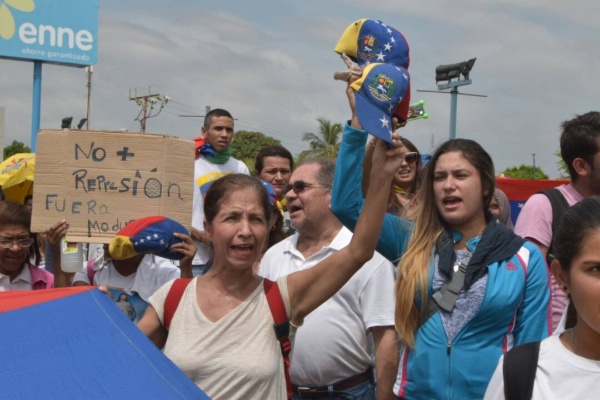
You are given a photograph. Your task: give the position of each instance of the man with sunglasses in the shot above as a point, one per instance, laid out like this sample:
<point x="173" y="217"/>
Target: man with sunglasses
<point x="332" y="350"/>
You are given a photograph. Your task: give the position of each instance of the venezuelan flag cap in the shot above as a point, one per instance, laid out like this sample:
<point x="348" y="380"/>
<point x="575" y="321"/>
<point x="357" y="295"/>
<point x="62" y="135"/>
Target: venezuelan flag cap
<point x="379" y="92"/>
<point x="149" y="235"/>
<point x="370" y="41"/>
<point x="270" y="191"/>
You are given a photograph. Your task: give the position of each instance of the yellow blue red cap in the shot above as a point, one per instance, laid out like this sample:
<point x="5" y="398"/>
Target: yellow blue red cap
<point x="379" y="92"/>
<point x="370" y="41"/>
<point x="149" y="235"/>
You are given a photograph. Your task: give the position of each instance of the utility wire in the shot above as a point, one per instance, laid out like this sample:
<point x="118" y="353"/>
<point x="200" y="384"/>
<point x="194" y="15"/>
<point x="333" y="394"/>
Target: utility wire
<point x="243" y="124"/>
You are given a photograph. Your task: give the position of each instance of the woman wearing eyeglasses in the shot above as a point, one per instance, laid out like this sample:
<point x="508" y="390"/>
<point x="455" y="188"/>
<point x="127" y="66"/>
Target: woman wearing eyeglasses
<point x="468" y="289"/>
<point x="16" y="272"/>
<point x="406" y="180"/>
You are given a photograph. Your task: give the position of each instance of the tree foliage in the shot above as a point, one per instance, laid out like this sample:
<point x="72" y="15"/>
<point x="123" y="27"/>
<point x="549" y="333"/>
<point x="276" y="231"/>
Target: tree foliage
<point x="524" y="172"/>
<point x="246" y="145"/>
<point x="562" y="166"/>
<point x="15" y="147"/>
<point x="324" y="144"/>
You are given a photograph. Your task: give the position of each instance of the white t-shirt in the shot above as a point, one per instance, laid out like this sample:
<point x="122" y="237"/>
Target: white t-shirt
<point x="131" y="293"/>
<point x="333" y="343"/>
<point x="236" y="357"/>
<point x="560" y="375"/>
<point x="205" y="173"/>
<point x="152" y="273"/>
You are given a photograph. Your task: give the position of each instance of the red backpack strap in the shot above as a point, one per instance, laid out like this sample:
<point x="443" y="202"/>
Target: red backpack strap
<point x="90" y="270"/>
<point x="173" y="299"/>
<point x="282" y="327"/>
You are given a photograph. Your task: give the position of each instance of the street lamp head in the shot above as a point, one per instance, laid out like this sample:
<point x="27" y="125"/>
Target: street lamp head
<point x="81" y="123"/>
<point x="454" y="71"/>
<point x="66" y="123"/>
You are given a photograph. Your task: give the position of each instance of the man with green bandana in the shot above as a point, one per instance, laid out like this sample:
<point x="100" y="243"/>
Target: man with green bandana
<point x="213" y="160"/>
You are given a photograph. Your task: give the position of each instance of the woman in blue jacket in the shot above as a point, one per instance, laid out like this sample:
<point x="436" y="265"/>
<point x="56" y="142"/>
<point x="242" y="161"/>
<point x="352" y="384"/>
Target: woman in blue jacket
<point x="452" y="330"/>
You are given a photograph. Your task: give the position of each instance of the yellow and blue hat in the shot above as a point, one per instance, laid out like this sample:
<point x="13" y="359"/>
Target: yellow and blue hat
<point x="369" y="41"/>
<point x="148" y="235"/>
<point x="272" y="196"/>
<point x="379" y="91"/>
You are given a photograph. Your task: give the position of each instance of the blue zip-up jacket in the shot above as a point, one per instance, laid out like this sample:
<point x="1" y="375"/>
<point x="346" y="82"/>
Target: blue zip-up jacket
<point x="514" y="311"/>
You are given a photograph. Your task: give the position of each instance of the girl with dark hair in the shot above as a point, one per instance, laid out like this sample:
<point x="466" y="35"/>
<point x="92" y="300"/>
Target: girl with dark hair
<point x="467" y="288"/>
<point x="569" y="363"/>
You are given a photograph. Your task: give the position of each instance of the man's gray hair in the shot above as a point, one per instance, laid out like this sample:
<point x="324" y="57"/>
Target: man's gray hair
<point x="326" y="171"/>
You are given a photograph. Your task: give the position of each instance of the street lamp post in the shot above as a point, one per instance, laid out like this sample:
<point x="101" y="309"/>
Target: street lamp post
<point x="451" y="74"/>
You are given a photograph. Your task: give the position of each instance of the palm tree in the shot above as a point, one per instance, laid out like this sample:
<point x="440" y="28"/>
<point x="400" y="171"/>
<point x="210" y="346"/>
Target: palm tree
<point x="326" y="143"/>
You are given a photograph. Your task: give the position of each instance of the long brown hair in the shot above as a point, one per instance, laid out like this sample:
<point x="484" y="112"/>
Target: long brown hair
<point x="413" y="270"/>
<point x="418" y="165"/>
<point x="394" y="202"/>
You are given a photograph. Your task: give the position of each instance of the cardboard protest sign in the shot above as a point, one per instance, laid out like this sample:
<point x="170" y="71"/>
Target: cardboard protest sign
<point x="101" y="181"/>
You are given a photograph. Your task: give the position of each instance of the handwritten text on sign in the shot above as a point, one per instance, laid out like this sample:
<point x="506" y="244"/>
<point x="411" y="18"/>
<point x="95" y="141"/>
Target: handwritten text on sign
<point x="101" y="181"/>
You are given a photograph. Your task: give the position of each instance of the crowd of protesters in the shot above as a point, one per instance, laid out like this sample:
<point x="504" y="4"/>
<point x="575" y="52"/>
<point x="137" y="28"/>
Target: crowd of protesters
<point x="399" y="279"/>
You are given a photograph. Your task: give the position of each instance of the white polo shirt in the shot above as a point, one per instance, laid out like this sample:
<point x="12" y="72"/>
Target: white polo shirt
<point x="332" y="344"/>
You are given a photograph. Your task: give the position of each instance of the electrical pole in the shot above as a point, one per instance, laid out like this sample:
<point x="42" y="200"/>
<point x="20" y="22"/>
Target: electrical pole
<point x="147" y="103"/>
<point x="89" y="70"/>
<point x="144" y="114"/>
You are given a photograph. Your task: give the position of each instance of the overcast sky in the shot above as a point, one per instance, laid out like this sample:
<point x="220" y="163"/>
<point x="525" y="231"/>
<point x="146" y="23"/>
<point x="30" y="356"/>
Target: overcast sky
<point x="270" y="63"/>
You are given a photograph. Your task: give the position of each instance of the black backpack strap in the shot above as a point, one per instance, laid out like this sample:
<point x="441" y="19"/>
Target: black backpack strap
<point x="519" y="367"/>
<point x="446" y="297"/>
<point x="559" y="206"/>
